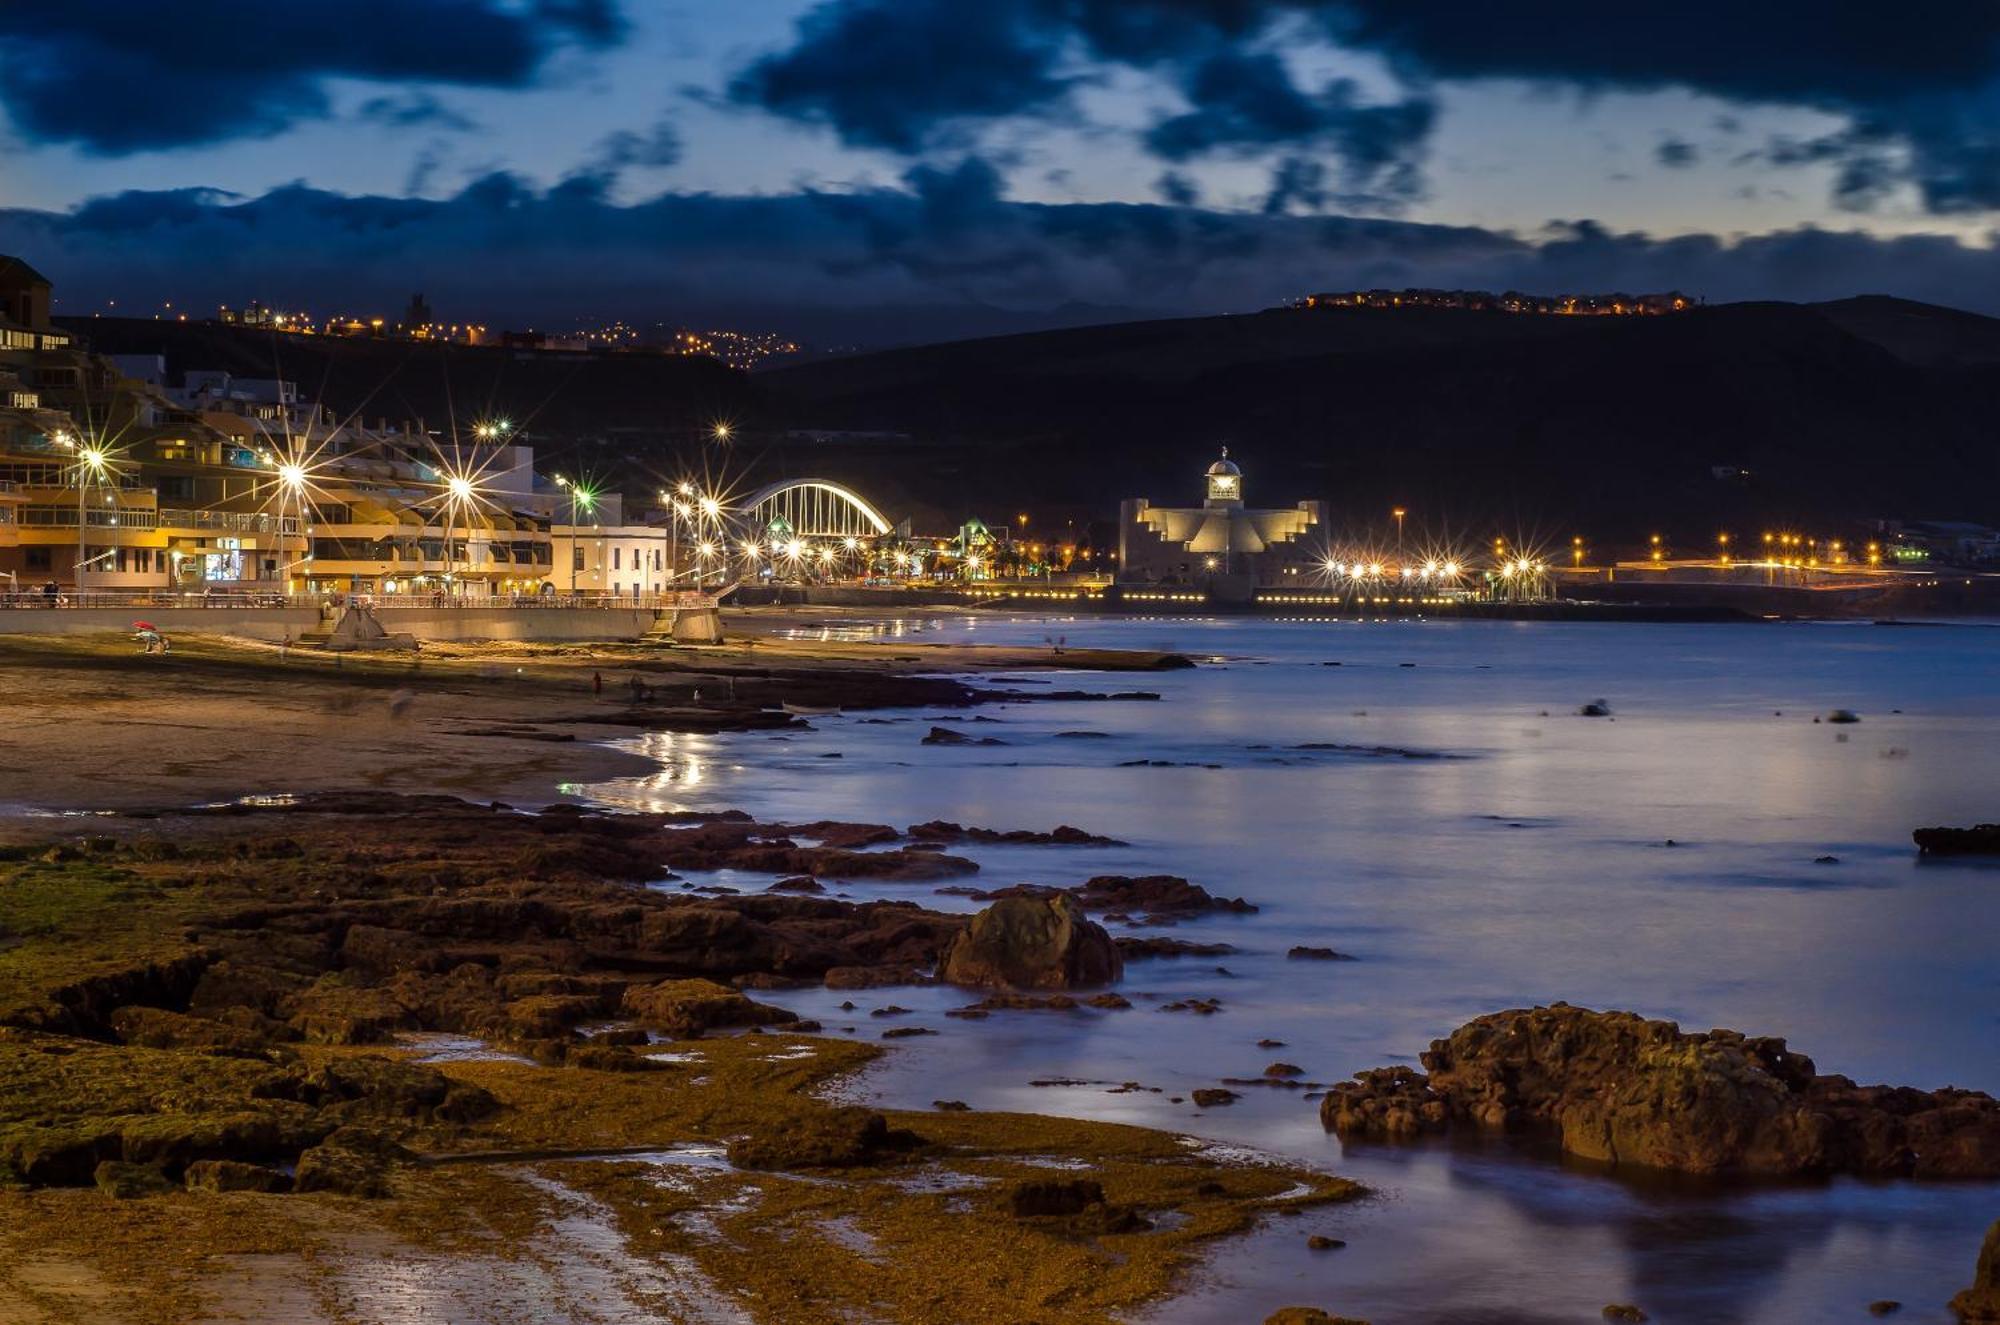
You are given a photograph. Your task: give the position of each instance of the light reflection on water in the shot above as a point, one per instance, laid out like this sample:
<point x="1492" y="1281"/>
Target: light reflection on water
<point x="1535" y="869"/>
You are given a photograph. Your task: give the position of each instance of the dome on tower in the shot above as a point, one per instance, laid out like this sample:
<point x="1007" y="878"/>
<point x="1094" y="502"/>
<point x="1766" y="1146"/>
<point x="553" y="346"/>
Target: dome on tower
<point x="1225" y="467"/>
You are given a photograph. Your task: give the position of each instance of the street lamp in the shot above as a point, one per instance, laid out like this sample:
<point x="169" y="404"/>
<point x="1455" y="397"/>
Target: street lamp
<point x="90" y="462"/>
<point x="578" y="496"/>
<point x="1398" y="513"/>
<point x="291" y="487"/>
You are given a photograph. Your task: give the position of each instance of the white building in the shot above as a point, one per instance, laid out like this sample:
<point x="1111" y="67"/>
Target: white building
<point x="1221" y="543"/>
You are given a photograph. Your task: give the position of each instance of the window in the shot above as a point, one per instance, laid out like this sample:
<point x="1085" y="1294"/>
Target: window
<point x="614" y="558"/>
<point x="576" y="559"/>
<point x="38" y="558"/>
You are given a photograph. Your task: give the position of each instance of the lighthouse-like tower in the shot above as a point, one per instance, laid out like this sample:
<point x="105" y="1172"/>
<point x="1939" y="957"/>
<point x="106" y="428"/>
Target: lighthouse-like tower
<point x="1221" y="546"/>
<point x="1225" y="485"/>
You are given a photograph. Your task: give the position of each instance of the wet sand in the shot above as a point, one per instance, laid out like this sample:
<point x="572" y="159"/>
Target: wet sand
<point x="94" y="724"/>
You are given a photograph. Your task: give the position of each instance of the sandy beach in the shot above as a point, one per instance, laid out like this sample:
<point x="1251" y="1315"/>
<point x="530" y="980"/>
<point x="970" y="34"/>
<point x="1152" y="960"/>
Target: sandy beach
<point x="103" y="726"/>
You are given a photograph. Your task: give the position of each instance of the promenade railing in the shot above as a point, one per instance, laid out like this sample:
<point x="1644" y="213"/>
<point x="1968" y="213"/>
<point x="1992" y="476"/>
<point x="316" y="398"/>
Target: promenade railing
<point x="65" y="599"/>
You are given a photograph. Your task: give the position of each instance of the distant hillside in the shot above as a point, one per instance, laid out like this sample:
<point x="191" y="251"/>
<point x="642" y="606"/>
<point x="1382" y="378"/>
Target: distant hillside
<point x="1601" y="425"/>
<point x="560" y="397"/>
<point x="1477" y="422"/>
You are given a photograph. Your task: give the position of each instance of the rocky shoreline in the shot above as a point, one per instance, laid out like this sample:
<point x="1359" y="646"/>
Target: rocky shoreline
<point x="302" y="1027"/>
<point x="1619" y="1089"/>
<point x="229" y="1007"/>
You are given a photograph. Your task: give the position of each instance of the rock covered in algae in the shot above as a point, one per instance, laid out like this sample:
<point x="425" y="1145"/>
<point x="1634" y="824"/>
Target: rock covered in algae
<point x="1980" y="1304"/>
<point x="1625" y="1090"/>
<point x="686" y="1008"/>
<point x="1033" y="943"/>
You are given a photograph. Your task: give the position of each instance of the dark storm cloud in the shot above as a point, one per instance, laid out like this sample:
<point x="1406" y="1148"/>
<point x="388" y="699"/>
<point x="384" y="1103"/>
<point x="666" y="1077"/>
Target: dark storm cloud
<point x="910" y="75"/>
<point x="1677" y="153"/>
<point x="844" y="264"/>
<point x="1248" y="103"/>
<point x="903" y="73"/>
<point x="411" y="111"/>
<point x="1926" y="75"/>
<point x="1177" y="188"/>
<point x="656" y="148"/>
<point x="899" y="74"/>
<point x="119" y="76"/>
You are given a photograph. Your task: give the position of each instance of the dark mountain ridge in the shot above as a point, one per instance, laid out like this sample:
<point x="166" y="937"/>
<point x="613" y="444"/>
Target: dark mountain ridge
<point x="1736" y="416"/>
<point x="1732" y="416"/>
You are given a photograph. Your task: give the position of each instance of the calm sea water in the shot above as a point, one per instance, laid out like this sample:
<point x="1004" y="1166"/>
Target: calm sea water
<point x="1665" y="860"/>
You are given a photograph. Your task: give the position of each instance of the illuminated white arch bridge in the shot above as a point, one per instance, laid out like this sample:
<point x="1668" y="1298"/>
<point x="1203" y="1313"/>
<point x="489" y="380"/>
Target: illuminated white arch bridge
<point x="810" y="508"/>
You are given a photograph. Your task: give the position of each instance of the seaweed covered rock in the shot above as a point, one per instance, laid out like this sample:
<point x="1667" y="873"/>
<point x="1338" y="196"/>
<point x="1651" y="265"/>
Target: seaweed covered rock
<point x="342" y="1171"/>
<point x="1074" y="1205"/>
<point x="337" y="1011"/>
<point x="157" y="1028"/>
<point x="228" y="1175"/>
<point x="822" y="1138"/>
<point x="542" y="1016"/>
<point x="1053" y="1198"/>
<point x="1391" y="1102"/>
<point x="1032" y="943"/>
<point x="686" y="1008"/>
<point x="125" y="1182"/>
<point x="370" y="1087"/>
<point x="1625" y="1090"/>
<point x="1980" y="1304"/>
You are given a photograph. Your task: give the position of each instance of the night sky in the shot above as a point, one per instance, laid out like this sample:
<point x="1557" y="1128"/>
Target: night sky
<point x="863" y="168"/>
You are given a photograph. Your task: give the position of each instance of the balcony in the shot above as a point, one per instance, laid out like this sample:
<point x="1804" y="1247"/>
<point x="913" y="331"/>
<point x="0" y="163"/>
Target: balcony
<point x="229" y="522"/>
<point x="64" y="517"/>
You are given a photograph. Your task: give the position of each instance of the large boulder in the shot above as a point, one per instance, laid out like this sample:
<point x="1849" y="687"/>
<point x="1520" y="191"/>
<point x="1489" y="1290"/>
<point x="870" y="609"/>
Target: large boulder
<point x="1980" y="1304"/>
<point x="1032" y="943"/>
<point x="1625" y="1090"/>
